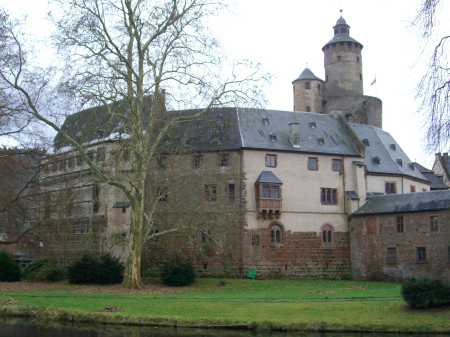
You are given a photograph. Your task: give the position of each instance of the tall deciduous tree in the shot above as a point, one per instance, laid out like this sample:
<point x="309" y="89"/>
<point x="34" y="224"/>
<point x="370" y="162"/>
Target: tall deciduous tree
<point x="434" y="88"/>
<point x="122" y="52"/>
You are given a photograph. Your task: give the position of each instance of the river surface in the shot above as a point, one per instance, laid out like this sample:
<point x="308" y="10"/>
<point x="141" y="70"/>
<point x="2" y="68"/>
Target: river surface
<point x="13" y="327"/>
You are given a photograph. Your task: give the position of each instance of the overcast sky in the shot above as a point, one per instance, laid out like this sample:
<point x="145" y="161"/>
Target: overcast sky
<point x="286" y="35"/>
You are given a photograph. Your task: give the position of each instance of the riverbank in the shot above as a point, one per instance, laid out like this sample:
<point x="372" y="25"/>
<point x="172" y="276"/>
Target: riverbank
<point x="257" y="305"/>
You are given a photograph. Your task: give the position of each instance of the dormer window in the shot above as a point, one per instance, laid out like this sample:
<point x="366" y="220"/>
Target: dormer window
<point x="366" y="142"/>
<point x="321" y="141"/>
<point x="393" y="147"/>
<point x="265" y="120"/>
<point x="412" y="167"/>
<point x="273" y="137"/>
<point x="399" y="162"/>
<point x="376" y="160"/>
<point x="313" y="125"/>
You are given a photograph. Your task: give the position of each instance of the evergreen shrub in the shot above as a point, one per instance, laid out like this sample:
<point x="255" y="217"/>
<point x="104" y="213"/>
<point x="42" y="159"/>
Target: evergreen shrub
<point x="9" y="269"/>
<point x="105" y="269"/>
<point x="43" y="269"/>
<point x="110" y="269"/>
<point x="177" y="273"/>
<point x="426" y="292"/>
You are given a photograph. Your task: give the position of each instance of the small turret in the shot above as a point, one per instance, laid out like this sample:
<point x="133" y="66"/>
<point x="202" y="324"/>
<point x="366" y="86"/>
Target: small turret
<point x="308" y="90"/>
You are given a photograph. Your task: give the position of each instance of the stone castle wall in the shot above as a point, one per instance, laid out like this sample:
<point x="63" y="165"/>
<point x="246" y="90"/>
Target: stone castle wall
<point x="372" y="235"/>
<point x="356" y="109"/>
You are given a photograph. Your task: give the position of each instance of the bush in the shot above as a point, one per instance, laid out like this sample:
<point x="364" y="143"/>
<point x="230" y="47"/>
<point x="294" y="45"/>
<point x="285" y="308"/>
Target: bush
<point x="89" y="269"/>
<point x="177" y="273"/>
<point x="9" y="269"/>
<point x="426" y="292"/>
<point x="110" y="269"/>
<point x="43" y="269"/>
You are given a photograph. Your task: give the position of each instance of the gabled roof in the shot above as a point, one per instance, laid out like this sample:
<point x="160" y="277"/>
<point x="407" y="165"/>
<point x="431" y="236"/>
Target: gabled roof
<point x="267" y="177"/>
<point x="391" y="158"/>
<point x="408" y="202"/>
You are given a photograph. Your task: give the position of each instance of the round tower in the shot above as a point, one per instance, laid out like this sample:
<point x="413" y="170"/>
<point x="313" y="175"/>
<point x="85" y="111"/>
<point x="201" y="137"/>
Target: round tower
<point x="343" y="62"/>
<point x="308" y="90"/>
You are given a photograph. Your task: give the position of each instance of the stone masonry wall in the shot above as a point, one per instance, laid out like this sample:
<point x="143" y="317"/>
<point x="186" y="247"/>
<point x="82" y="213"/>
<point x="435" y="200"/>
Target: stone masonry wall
<point x="301" y="255"/>
<point x="356" y="109"/>
<point x="371" y="236"/>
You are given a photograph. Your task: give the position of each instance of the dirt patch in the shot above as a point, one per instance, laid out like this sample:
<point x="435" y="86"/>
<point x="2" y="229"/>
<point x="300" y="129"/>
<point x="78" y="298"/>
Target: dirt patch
<point x="319" y="292"/>
<point x="111" y="309"/>
<point x="152" y="289"/>
<point x="408" y="308"/>
<point x="8" y="302"/>
<point x="353" y="287"/>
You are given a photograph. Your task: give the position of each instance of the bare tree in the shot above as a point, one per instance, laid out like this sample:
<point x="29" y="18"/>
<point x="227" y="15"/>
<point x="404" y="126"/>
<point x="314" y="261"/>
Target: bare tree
<point x="121" y="54"/>
<point x="434" y="88"/>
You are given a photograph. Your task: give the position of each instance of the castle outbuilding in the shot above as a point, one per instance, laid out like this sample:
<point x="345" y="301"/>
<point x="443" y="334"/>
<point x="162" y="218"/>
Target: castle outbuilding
<point x="342" y="91"/>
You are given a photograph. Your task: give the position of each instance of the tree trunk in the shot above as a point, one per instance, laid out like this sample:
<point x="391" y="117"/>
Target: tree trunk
<point x="132" y="275"/>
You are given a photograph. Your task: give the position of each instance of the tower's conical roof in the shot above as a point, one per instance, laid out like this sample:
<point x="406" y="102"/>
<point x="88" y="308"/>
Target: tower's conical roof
<point x="307" y="74"/>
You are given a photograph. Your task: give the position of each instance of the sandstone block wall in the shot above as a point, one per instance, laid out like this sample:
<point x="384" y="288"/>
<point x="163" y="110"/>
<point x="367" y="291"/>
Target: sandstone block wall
<point x="356" y="109"/>
<point x="301" y="255"/>
<point x="371" y="236"/>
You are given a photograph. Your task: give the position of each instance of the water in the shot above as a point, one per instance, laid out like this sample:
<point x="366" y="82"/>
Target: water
<point x="14" y="327"/>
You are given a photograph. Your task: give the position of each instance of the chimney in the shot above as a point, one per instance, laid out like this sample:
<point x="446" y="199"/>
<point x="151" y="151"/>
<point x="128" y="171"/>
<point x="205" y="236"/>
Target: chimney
<point x="294" y="134"/>
<point x="445" y="157"/>
<point x="437" y="156"/>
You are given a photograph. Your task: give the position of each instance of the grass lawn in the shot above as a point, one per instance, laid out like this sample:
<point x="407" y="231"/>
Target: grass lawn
<point x="271" y="303"/>
<point x="253" y="289"/>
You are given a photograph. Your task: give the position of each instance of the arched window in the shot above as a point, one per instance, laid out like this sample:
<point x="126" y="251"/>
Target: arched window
<point x="276" y="234"/>
<point x="327" y="233"/>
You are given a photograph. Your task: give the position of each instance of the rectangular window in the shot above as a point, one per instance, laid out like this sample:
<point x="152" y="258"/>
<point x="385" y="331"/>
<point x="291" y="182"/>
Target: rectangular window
<point x="79" y="161"/>
<point x="337" y="165"/>
<point x="270" y="192"/>
<point x="197" y="161"/>
<point x="54" y="166"/>
<point x="90" y="155"/>
<point x="224" y="160"/>
<point x="421" y="254"/>
<point x="62" y="164"/>
<point x="392" y="255"/>
<point x="434" y="223"/>
<point x="70" y="163"/>
<point x="271" y="160"/>
<point x="101" y="155"/>
<point x="162" y="162"/>
<point x="95" y="198"/>
<point x="400" y="226"/>
<point x="162" y="193"/>
<point x="211" y="192"/>
<point x="390" y="188"/>
<point x="231" y="192"/>
<point x="328" y="196"/>
<point x="313" y="164"/>
<point x="255" y="240"/>
<point x="307" y="85"/>
<point x="413" y="188"/>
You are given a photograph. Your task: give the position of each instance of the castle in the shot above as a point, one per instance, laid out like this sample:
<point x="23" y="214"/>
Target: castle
<point x="309" y="193"/>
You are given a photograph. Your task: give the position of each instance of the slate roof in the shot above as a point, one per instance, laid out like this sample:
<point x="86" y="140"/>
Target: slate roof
<point x="353" y="195"/>
<point x="121" y="204"/>
<point x="407" y="202"/>
<point x="88" y="125"/>
<point x="268" y="177"/>
<point x="314" y="129"/>
<point x="436" y="181"/>
<point x="385" y="148"/>
<point x="307" y="74"/>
